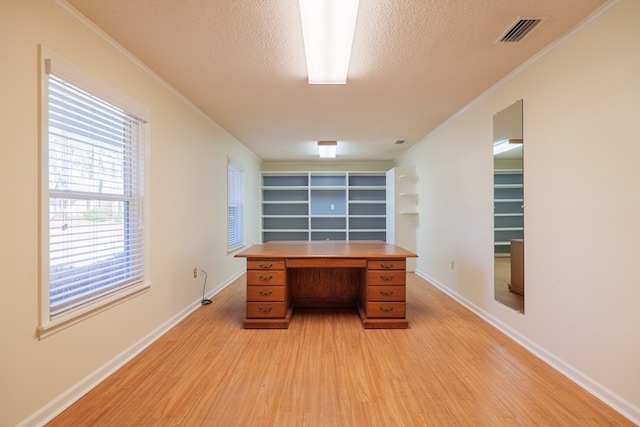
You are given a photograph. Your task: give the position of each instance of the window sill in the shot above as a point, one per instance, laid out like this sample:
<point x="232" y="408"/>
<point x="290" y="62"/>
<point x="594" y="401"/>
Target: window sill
<point x="235" y="248"/>
<point x="76" y="316"/>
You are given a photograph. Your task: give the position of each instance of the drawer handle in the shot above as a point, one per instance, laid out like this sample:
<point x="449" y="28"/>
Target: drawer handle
<point x="265" y="266"/>
<point x="265" y="278"/>
<point x="386" y="266"/>
<point x="386" y="278"/>
<point x="265" y="310"/>
<point x="385" y="293"/>
<point x="386" y="310"/>
<point x="266" y="293"/>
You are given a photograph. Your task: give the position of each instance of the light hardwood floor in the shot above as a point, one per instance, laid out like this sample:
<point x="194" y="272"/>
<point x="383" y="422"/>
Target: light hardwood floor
<point x="449" y="368"/>
<point x="502" y="279"/>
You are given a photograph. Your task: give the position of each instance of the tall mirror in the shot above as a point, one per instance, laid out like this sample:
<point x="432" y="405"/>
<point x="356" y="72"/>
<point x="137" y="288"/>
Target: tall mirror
<point x="508" y="207"/>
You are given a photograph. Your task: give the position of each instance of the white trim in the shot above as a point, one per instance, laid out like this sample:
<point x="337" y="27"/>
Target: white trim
<point x="239" y="171"/>
<point x="48" y="328"/>
<point x="609" y="6"/>
<point x="52" y="63"/>
<point x="624" y="407"/>
<point x="71" y="395"/>
<point x="104" y="37"/>
<point x="57" y="65"/>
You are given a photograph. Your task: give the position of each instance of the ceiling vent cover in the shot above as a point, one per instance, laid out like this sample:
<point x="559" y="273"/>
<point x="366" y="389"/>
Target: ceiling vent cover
<point x="518" y="30"/>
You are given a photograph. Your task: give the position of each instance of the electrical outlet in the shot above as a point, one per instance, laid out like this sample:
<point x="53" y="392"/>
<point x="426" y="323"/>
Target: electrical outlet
<point x="195" y="273"/>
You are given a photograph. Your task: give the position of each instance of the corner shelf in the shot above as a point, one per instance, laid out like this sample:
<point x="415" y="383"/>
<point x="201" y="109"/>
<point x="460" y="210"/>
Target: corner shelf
<point x="402" y="209"/>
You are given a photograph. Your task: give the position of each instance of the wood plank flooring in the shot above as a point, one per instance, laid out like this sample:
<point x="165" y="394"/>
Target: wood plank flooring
<point x="502" y="279"/>
<point x="449" y="368"/>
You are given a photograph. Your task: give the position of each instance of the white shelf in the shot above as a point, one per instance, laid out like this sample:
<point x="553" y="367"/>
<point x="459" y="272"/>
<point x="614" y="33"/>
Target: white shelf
<point x="285" y="202"/>
<point x="508" y="186"/>
<point x="507" y="171"/>
<point x="285" y="216"/>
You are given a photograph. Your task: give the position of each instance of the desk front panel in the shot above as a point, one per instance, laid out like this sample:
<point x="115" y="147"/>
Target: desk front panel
<point x="326" y="263"/>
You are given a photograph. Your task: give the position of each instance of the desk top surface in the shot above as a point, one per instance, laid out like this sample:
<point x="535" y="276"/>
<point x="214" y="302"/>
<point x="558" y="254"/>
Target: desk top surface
<point x="326" y="249"/>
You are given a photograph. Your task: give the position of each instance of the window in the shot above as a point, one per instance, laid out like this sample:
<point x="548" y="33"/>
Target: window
<point x="235" y="203"/>
<point x="93" y="222"/>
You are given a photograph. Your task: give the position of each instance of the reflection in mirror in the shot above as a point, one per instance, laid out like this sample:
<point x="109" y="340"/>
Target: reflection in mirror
<point x="508" y="207"/>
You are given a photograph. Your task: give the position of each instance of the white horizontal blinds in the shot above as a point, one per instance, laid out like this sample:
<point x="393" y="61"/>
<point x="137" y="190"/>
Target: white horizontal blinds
<point x="235" y="203"/>
<point x="96" y="234"/>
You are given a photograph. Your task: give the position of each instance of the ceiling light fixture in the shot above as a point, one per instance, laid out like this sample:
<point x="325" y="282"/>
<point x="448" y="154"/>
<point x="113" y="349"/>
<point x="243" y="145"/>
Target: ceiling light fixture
<point x="327" y="149"/>
<point x="327" y="30"/>
<point x="506" y="145"/>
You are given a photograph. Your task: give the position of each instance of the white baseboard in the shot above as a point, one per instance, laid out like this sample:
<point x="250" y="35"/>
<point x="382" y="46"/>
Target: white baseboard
<point x="610" y="398"/>
<point x="70" y="396"/>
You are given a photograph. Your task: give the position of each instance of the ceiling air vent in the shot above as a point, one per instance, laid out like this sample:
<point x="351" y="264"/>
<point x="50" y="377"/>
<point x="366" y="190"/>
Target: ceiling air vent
<point x="518" y="30"/>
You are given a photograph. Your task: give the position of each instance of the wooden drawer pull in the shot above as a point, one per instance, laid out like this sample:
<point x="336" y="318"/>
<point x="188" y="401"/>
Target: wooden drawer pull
<point x="265" y="266"/>
<point x="386" y="266"/>
<point x="386" y="293"/>
<point x="386" y="278"/>
<point x="267" y="293"/>
<point x="266" y="310"/>
<point x="265" y="278"/>
<point x="386" y="310"/>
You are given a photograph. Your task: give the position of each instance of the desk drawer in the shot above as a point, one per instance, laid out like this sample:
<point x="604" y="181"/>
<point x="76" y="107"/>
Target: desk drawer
<point x="386" y="293"/>
<point x="387" y="264"/>
<point x="265" y="293"/>
<point x="380" y="277"/>
<point x="265" y="264"/>
<point x="273" y="278"/>
<point x="385" y="309"/>
<point x="266" y="310"/>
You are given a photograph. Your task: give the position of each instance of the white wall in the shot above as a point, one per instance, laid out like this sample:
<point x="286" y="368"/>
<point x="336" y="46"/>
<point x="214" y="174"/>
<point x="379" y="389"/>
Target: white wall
<point x="186" y="188"/>
<point x="582" y="206"/>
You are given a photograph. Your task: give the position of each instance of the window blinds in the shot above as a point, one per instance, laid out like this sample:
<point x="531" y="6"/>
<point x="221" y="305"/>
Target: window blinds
<point x="235" y="203"/>
<point x="95" y="174"/>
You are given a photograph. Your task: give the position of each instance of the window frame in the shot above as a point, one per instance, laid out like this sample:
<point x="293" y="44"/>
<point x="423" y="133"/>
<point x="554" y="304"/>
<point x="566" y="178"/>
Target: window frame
<point x="52" y="63"/>
<point x="235" y="185"/>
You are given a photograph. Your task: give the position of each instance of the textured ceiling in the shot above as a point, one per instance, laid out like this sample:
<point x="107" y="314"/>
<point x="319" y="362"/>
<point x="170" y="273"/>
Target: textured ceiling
<point x="414" y="64"/>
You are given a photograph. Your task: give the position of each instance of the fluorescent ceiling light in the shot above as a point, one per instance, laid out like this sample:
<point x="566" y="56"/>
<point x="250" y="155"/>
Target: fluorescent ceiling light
<point x="506" y="145"/>
<point x="327" y="149"/>
<point x="327" y="29"/>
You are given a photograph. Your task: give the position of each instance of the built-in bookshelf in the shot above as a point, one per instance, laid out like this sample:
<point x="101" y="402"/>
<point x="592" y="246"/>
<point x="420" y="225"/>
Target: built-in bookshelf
<point x="323" y="206"/>
<point x="402" y="209"/>
<point x="508" y="209"/>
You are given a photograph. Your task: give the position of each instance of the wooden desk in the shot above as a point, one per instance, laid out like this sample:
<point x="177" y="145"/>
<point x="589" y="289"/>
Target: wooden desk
<point x="368" y="275"/>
